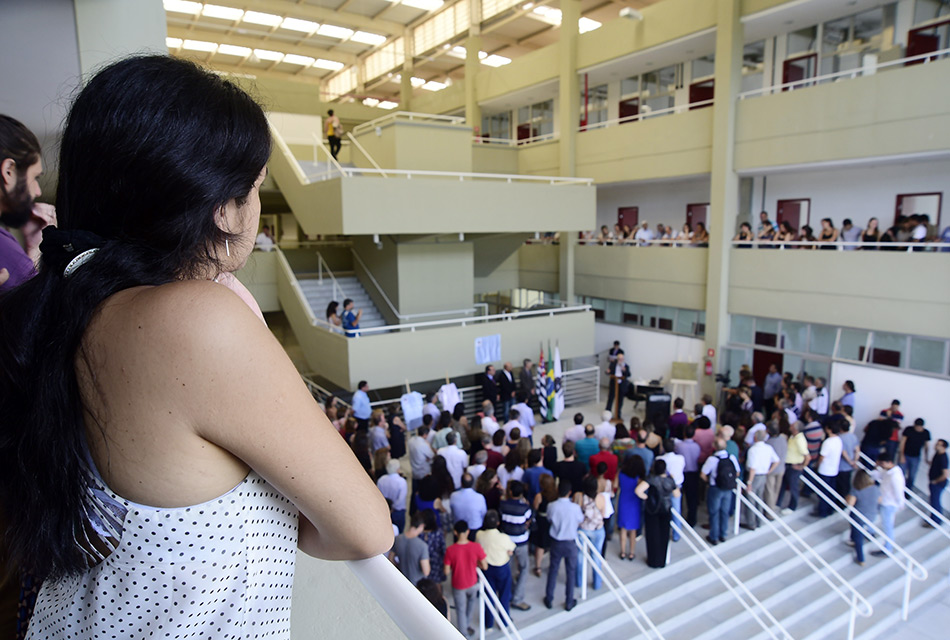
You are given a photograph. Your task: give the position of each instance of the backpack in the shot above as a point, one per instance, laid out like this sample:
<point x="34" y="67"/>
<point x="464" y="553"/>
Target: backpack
<point x="658" y="502"/>
<point x="726" y="474"/>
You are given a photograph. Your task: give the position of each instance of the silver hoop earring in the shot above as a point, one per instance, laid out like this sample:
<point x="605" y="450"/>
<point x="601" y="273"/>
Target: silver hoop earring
<point x="227" y="247"/>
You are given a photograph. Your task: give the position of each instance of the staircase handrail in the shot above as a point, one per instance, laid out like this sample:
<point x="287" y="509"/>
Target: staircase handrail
<point x="488" y="598"/>
<point x="390" y="304"/>
<point x="913" y="569"/>
<point x="365" y="153"/>
<point x="408" y="115"/>
<point x="337" y="289"/>
<point x="318" y="144"/>
<point x="590" y="556"/>
<point x="929" y="514"/>
<point x="789" y="536"/>
<point x="298" y="293"/>
<point x="699" y="546"/>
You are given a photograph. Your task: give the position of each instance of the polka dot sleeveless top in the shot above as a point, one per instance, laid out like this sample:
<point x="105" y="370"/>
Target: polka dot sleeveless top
<point x="221" y="569"/>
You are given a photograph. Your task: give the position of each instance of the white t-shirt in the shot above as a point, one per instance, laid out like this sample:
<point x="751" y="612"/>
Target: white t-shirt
<point x="675" y="465"/>
<point x="455" y="462"/>
<point x="760" y="457"/>
<point x="920" y="232"/>
<point x="710" y="412"/>
<point x="605" y="430"/>
<point x="574" y="433"/>
<point x="830" y="456"/>
<point x="489" y="425"/>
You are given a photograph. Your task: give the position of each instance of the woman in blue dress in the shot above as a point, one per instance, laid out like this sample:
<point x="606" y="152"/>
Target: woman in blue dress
<point x="629" y="504"/>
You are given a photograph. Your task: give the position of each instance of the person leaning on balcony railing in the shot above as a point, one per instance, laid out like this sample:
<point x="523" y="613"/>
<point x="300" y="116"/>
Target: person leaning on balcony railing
<point x="871" y="234"/>
<point x="684" y="237"/>
<point x="644" y="234"/>
<point x="828" y="235"/>
<point x="745" y="236"/>
<point x="785" y="233"/>
<point x="849" y="233"/>
<point x="808" y="235"/>
<point x="351" y="320"/>
<point x="766" y="235"/>
<point x="701" y="235"/>
<point x="605" y="237"/>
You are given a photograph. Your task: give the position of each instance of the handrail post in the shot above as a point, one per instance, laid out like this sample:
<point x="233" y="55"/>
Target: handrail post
<point x="481" y="609"/>
<point x="583" y="566"/>
<point x="738" y="507"/>
<point x="906" y="604"/>
<point x="854" y="613"/>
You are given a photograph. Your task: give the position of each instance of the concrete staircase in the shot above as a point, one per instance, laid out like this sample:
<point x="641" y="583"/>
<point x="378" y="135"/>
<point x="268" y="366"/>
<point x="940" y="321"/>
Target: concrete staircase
<point x="685" y="600"/>
<point x="317" y="170"/>
<point x="319" y="294"/>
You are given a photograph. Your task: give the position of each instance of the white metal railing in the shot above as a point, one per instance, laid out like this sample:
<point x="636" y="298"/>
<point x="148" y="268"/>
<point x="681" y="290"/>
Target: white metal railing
<point x="581" y="386"/>
<point x="863" y="70"/>
<point x="643" y="115"/>
<point x="366" y="154"/>
<point x="321" y="264"/>
<point x="405" y="604"/>
<point x="463" y="322"/>
<point x="590" y="556"/>
<point x="488" y="599"/>
<point x="461" y="176"/>
<point x="913" y="569"/>
<point x="630" y="242"/>
<point x="431" y="314"/>
<point x="922" y="508"/>
<point x="838" y="245"/>
<point x="515" y="142"/>
<point x="857" y="603"/>
<point x="318" y="145"/>
<point x="322" y="392"/>
<point x="299" y="294"/>
<point x="736" y="587"/>
<point x="408" y="116"/>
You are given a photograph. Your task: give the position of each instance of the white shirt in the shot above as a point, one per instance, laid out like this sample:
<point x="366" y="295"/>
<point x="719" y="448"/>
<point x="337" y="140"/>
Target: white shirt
<point x="809" y="396"/>
<point x="675" y="464"/>
<point x="710" y="412"/>
<point x="489" y="425"/>
<point x="264" y="242"/>
<point x="830" y="456"/>
<point x="511" y="424"/>
<point x="455" y="461"/>
<point x="892" y="486"/>
<point x="750" y="436"/>
<point x="476" y="470"/>
<point x="760" y="457"/>
<point x="394" y="487"/>
<point x="525" y="417"/>
<point x="420" y="457"/>
<point x="504" y="476"/>
<point x="821" y="401"/>
<point x="920" y="232"/>
<point x="791" y="415"/>
<point x="574" y="433"/>
<point x="643" y="235"/>
<point x="605" y="430"/>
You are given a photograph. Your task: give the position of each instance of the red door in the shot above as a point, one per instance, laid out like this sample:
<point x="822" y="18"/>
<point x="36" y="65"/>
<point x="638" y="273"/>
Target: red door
<point x="800" y="68"/>
<point x="910" y="203"/>
<point x="629" y="108"/>
<point x="696" y="213"/>
<point x="628" y="216"/>
<point x="760" y="364"/>
<point x="796" y="212"/>
<point x="921" y="41"/>
<point x="700" y="92"/>
<point x="525" y="131"/>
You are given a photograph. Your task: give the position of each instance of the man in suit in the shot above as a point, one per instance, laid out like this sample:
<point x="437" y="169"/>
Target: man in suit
<point x="621" y="371"/>
<point x="506" y="388"/>
<point x="612" y="354"/>
<point x="527" y="379"/>
<point x="490" y="387"/>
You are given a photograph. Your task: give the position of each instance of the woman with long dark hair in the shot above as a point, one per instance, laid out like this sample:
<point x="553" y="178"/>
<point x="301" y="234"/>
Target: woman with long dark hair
<point x="150" y="473"/>
<point x="657" y="491"/>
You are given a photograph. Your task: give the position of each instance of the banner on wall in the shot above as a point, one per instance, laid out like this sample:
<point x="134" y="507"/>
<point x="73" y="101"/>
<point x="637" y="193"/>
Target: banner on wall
<point x="488" y="349"/>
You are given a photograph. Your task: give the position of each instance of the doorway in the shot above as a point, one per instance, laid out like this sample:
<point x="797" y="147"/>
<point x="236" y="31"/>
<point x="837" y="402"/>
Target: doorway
<point x="697" y="213"/>
<point x="629" y="108"/>
<point x="795" y="212"/>
<point x="925" y="40"/>
<point x="761" y="360"/>
<point x="929" y="203"/>
<point x="628" y="216"/>
<point x="701" y="92"/>
<point x="799" y="68"/>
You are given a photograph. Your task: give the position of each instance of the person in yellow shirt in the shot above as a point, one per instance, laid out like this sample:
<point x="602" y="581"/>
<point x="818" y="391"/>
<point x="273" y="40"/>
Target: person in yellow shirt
<point x="796" y="458"/>
<point x="333" y="131"/>
<point x="498" y="551"/>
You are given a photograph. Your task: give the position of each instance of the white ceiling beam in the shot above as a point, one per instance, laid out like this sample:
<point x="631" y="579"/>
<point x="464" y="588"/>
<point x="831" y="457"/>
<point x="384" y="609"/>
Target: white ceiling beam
<point x="257" y="42"/>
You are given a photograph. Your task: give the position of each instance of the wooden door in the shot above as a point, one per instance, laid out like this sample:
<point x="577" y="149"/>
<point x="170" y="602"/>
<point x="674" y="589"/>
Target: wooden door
<point x="629" y="108"/>
<point x="800" y="68"/>
<point x="628" y="216"/>
<point x="921" y="41"/>
<point x="697" y="213"/>
<point x="795" y="212"/>
<point x="760" y="364"/>
<point x="525" y="131"/>
<point x="700" y="92"/>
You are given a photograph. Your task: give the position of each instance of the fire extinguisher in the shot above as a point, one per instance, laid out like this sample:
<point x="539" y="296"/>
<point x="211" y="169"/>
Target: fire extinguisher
<point x="709" y="367"/>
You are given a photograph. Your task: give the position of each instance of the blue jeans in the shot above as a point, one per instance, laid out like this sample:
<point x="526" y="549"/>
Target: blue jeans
<point x="566" y="550"/>
<point x="398" y="516"/>
<point x="888" y="516"/>
<point x="827" y="495"/>
<point x="500" y="580"/>
<point x="597" y="539"/>
<point x="792" y="483"/>
<point x="678" y="508"/>
<point x="718" y="502"/>
<point x="858" y="536"/>
<point x="936" y="489"/>
<point x="910" y="466"/>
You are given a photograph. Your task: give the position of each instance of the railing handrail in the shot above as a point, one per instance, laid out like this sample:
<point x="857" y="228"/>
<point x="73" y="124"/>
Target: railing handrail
<point x="321" y="263"/>
<point x="365" y="153"/>
<point x="760" y="509"/>
<point x="516" y="142"/>
<point x="617" y="588"/>
<point x="822" y="489"/>
<point x="840" y="244"/>
<point x="318" y="144"/>
<point x="925" y="57"/>
<point x="929" y="512"/>
<point x="298" y="292"/>
<point x="405" y="604"/>
<point x="382" y="403"/>
<point x="349" y="172"/>
<point x="411" y="116"/>
<point x="642" y="115"/>
<point x="490" y="600"/>
<point x="464" y="321"/>
<point x="679" y="524"/>
<point x="311" y="385"/>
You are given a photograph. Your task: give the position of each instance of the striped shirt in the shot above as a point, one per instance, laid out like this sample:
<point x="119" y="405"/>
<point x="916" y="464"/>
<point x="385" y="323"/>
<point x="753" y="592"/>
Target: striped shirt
<point x="515" y="516"/>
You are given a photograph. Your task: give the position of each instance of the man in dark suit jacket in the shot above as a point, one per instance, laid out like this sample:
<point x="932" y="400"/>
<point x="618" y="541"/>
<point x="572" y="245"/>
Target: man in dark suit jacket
<point x="622" y="370"/>
<point x="490" y="387"/>
<point x="506" y="388"/>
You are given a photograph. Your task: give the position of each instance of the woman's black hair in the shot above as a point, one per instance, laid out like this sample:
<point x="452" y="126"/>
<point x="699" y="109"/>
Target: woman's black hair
<point x="633" y="466"/>
<point x="331" y="308"/>
<point x="152" y="147"/>
<point x="458" y="411"/>
<point x="589" y="486"/>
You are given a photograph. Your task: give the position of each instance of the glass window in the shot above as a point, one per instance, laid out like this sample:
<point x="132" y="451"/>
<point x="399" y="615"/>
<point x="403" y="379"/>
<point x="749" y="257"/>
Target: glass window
<point x="817" y="368"/>
<point x="542" y="115"/>
<point x="888" y="349"/>
<point x="631" y="313"/>
<point x="766" y="332"/>
<point x="740" y="330"/>
<point x="732" y="361"/>
<point x="596" y="104"/>
<point x="822" y="339"/>
<point x="701" y="324"/>
<point x="665" y="317"/>
<point x="852" y="345"/>
<point x="801" y="41"/>
<point x="926" y="355"/>
<point x="614" y="311"/>
<point x="792" y="364"/>
<point x="926" y="10"/>
<point x="834" y="34"/>
<point x="753" y="65"/>
<point x="794" y="336"/>
<point x="868" y="24"/>
<point x="497" y="125"/>
<point x="597" y="304"/>
<point x="630" y="87"/>
<point x="686" y="322"/>
<point x="703" y="67"/>
<point x="648" y="315"/>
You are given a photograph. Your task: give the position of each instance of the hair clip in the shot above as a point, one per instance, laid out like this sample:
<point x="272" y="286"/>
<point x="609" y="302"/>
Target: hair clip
<point x="79" y="261"/>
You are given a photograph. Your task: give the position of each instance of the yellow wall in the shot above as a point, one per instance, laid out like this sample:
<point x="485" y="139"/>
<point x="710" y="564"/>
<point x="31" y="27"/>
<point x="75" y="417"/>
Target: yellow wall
<point x="661" y="147"/>
<point x="488" y="158"/>
<point x="897" y="111"/>
<point x="419" y="145"/>
<point x="435" y="276"/>
<point x="539" y="159"/>
<point x="504" y="278"/>
<point x="667" y="276"/>
<point x="539" y="267"/>
<point x="883" y="291"/>
<point x="528" y="70"/>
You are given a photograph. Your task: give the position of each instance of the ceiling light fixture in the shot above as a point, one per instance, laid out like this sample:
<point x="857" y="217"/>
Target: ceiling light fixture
<point x="303" y="26"/>
<point x="364" y="37"/>
<point x="234" y="50"/>
<point x="224" y="13"/>
<point x="303" y="61"/>
<point x="182" y="6"/>
<point x="331" y="65"/>
<point x="199" y="45"/>
<point x="173" y="43"/>
<point x="266" y="19"/>
<point x="370" y="102"/>
<point x="432" y="85"/>
<point x="333" y="31"/>
<point x="495" y="60"/>
<point x="267" y="54"/>
<point x="425" y="5"/>
<point x="387" y="104"/>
